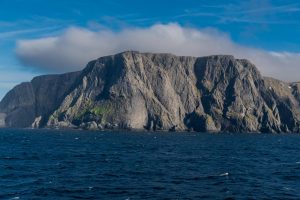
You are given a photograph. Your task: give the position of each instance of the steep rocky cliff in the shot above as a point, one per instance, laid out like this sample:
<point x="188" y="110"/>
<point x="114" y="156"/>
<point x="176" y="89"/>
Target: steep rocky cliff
<point x="38" y="98"/>
<point x="146" y="91"/>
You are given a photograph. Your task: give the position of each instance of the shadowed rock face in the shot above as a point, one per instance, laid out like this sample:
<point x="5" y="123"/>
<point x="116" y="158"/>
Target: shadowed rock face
<point x="37" y="98"/>
<point x="157" y="92"/>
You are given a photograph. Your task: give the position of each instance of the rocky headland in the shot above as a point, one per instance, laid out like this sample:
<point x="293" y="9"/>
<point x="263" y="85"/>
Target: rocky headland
<point x="145" y="91"/>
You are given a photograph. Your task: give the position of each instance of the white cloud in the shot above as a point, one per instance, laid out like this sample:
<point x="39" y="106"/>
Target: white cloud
<point x="76" y="46"/>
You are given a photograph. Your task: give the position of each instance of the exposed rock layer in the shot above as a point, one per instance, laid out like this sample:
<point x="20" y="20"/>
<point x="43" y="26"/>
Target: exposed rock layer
<point x="134" y="90"/>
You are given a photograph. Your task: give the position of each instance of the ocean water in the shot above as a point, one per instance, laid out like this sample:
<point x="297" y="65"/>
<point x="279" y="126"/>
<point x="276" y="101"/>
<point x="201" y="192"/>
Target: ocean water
<point x="54" y="164"/>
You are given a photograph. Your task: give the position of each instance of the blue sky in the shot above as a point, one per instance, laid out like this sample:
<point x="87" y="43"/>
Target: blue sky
<point x="266" y="30"/>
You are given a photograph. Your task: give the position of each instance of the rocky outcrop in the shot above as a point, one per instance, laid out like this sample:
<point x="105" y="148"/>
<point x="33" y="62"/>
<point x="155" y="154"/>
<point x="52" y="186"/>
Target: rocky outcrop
<point x="31" y="103"/>
<point x="133" y="90"/>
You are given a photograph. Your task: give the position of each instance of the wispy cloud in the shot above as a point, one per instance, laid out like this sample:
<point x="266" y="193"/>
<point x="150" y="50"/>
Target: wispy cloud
<point x="76" y="46"/>
<point x="254" y="11"/>
<point x="36" y="26"/>
<point x="197" y="14"/>
<point x="77" y="12"/>
<point x="255" y="21"/>
<point x="6" y="24"/>
<point x="35" y="21"/>
<point x="10" y="34"/>
<point x="121" y="21"/>
<point x="270" y="9"/>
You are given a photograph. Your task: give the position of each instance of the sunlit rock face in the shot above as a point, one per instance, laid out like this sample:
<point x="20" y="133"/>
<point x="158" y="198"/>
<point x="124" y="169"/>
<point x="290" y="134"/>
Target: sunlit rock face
<point x="145" y="91"/>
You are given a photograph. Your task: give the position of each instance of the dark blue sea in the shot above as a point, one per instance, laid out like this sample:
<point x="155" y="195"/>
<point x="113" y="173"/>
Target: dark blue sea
<point x="55" y="164"/>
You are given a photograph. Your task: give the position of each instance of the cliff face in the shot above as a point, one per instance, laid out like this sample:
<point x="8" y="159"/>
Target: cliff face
<point x="37" y="98"/>
<point x="157" y="92"/>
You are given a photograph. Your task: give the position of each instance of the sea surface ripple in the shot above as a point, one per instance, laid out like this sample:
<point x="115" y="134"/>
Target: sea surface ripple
<point x="64" y="164"/>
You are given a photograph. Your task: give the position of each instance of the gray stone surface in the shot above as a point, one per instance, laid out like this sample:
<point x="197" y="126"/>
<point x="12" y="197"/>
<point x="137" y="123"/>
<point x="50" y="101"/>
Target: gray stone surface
<point x="36" y="99"/>
<point x="145" y="91"/>
<point x="2" y="119"/>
